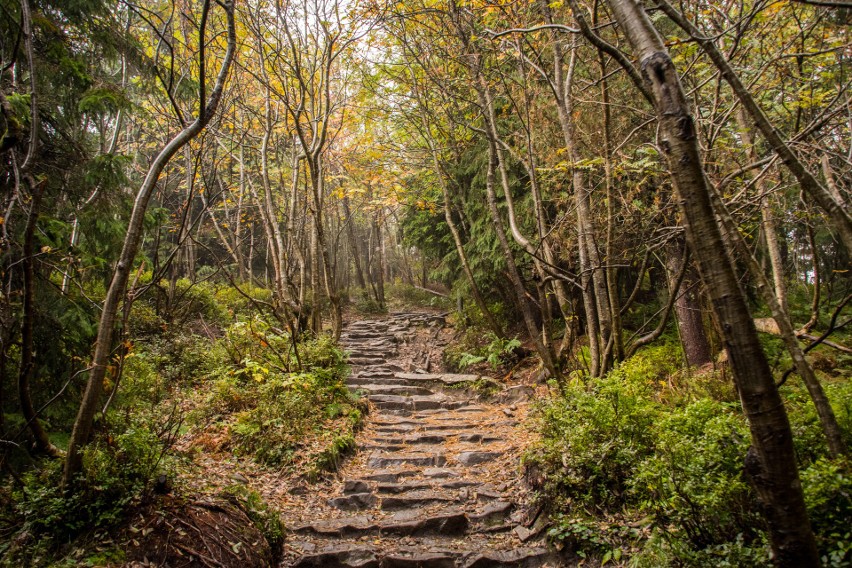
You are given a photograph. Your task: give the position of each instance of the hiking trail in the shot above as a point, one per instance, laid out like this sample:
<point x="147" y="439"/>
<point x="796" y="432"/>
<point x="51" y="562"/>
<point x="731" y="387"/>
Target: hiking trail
<point x="435" y="482"/>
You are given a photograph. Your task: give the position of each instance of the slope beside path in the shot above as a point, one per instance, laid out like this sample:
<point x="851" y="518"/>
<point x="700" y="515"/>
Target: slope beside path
<point x="435" y="482"/>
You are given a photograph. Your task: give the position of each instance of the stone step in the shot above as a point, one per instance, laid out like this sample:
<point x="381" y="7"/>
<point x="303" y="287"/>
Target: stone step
<point x="493" y="513"/>
<point x="389" y="475"/>
<point x="523" y="557"/>
<point x="353" y="501"/>
<point x="380" y="460"/>
<point x="403" y="523"/>
<point x="449" y="429"/>
<point x="380" y="369"/>
<point x="477" y="437"/>
<point x="374" y="378"/>
<point x="398" y="390"/>
<point x="415" y="499"/>
<point x="413" y="439"/>
<point x="362" y="334"/>
<point x="397" y="488"/>
<point x="414" y="403"/>
<point x="372" y="348"/>
<point x="428" y="556"/>
<point x="363" y="361"/>
<point x="474" y="457"/>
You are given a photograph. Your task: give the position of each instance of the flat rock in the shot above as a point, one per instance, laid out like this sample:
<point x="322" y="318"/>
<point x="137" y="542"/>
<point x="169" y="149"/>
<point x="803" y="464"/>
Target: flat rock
<point x="340" y="556"/>
<point x="338" y="527"/>
<point x="389" y="460"/>
<point x="493" y="512"/>
<point x="476" y="457"/>
<point x="452" y="524"/>
<point x="353" y="502"/>
<point x="388" y="476"/>
<point x="391" y="389"/>
<point x="355" y="486"/>
<point x="413" y="500"/>
<point x="479" y="438"/>
<point x="446" y="378"/>
<point x="438" y="472"/>
<point x="517" y="558"/>
<point x="396" y="488"/>
<point x="421" y="560"/>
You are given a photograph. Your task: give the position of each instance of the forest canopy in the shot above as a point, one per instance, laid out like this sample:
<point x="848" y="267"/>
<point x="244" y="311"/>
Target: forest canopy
<point x="646" y="201"/>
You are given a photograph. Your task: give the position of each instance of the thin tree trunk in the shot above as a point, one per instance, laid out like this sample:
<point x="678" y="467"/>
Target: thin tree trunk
<point x="693" y="338"/>
<point x="380" y="262"/>
<point x="770" y="232"/>
<point x="353" y="243"/>
<point x="595" y="295"/>
<point x="42" y="441"/>
<point x="118" y="285"/>
<point x="828" y="421"/>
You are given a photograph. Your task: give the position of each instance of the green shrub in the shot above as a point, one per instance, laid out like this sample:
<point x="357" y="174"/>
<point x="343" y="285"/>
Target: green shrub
<point x="693" y="483"/>
<point x="365" y="303"/>
<point x="828" y="494"/>
<point x="285" y="411"/>
<point x="648" y="445"/>
<point x="274" y="410"/>
<point x="407" y="295"/>
<point x="592" y="437"/>
<point x="236" y="303"/>
<point x="497" y="352"/>
<point x="194" y="300"/>
<point x="117" y="468"/>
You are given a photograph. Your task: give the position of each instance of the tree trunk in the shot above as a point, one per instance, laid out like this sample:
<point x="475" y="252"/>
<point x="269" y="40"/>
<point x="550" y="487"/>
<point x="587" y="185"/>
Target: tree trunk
<point x="828" y="421"/>
<point x="353" y="243"/>
<point x="770" y="233"/>
<point x="775" y="473"/>
<point x="42" y="442"/>
<point x="380" y="262"/>
<point x="693" y="338"/>
<point x="118" y="285"/>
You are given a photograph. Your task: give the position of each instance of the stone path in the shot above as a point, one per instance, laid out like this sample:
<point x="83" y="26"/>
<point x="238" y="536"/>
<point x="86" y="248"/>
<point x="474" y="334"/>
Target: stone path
<point x="434" y="483"/>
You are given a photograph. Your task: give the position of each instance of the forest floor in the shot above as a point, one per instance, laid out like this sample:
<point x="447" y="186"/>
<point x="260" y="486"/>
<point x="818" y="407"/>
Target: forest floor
<point x="434" y="480"/>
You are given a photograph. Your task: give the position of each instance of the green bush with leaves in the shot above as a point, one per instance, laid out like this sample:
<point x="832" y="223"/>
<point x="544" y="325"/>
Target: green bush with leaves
<point x="693" y="483"/>
<point x="497" y="352"/>
<point x="276" y="398"/>
<point x="118" y="467"/>
<point x="476" y="347"/>
<point x="592" y="437"/>
<point x="647" y="446"/>
<point x="828" y="495"/>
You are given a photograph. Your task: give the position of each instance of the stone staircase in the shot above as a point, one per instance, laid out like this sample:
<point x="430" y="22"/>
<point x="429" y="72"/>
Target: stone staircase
<point x="434" y="483"/>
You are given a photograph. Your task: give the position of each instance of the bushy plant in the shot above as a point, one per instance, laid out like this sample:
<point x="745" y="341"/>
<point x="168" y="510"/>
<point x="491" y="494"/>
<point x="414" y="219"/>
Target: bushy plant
<point x="648" y="442"/>
<point x="828" y="495"/>
<point x="275" y="403"/>
<point x="592" y="438"/>
<point x="117" y="468"/>
<point x="407" y="295"/>
<point x="365" y="303"/>
<point x="693" y="482"/>
<point x="497" y="352"/>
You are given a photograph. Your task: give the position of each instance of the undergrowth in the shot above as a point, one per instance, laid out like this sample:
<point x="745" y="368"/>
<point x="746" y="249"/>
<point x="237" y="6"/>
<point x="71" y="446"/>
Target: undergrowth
<point x="200" y="359"/>
<point x="647" y="463"/>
